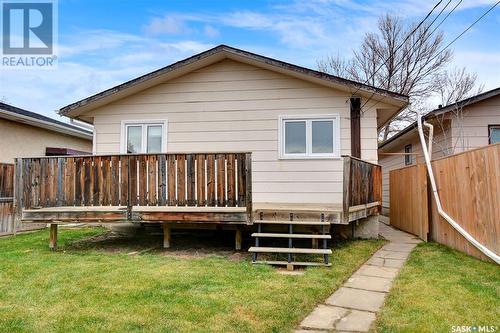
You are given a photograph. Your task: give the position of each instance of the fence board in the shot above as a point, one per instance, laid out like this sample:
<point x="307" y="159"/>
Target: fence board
<point x="181" y="180"/>
<point x="469" y="188"/>
<point x="408" y="190"/>
<point x="211" y="180"/>
<point x="221" y="180"/>
<point x="190" y="180"/>
<point x="6" y="198"/>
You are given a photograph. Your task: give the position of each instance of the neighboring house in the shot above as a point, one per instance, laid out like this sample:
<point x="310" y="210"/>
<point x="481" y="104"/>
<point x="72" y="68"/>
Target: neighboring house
<point x="295" y="121"/>
<point x="25" y="134"/>
<point x="471" y="123"/>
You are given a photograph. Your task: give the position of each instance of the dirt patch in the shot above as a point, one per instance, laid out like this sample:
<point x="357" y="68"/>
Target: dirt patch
<point x="185" y="244"/>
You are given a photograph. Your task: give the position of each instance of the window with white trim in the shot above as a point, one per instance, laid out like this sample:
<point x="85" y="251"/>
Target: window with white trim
<point x="310" y="136"/>
<point x="143" y="137"/>
<point x="494" y="135"/>
<point x="408" y="159"/>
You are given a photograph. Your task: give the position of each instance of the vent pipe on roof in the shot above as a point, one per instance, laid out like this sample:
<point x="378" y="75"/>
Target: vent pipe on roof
<point x="487" y="252"/>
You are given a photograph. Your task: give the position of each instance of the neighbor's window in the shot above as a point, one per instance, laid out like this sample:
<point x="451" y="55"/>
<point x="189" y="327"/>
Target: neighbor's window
<point x="309" y="137"/>
<point x="408" y="156"/>
<point x="494" y="136"/>
<point x="144" y="137"/>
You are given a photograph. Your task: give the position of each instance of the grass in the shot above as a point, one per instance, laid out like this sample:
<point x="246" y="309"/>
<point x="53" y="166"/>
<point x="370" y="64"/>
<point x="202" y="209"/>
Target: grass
<point x="440" y="288"/>
<point x="79" y="289"/>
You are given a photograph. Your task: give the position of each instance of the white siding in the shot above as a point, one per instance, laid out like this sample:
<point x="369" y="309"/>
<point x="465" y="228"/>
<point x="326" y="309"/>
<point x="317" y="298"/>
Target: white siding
<point x="475" y="123"/>
<point x="230" y="106"/>
<point x="393" y="162"/>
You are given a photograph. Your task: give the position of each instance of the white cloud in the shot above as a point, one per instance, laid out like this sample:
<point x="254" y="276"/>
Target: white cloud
<point x="90" y="62"/>
<point x="170" y="25"/>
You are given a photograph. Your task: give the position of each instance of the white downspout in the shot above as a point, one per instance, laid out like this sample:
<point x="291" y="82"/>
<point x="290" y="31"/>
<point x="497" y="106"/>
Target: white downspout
<point x="490" y="254"/>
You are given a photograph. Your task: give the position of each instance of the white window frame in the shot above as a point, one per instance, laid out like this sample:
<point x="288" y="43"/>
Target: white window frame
<point x="335" y="117"/>
<point x="144" y="124"/>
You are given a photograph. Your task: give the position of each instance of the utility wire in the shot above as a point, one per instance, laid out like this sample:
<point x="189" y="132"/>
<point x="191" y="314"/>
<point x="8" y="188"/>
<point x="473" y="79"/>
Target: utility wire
<point x="457" y="37"/>
<point x="412" y="48"/>
<point x="397" y="48"/>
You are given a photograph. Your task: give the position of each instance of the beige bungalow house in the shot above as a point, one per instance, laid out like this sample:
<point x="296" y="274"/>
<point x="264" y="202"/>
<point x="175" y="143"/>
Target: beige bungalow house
<point x="234" y="139"/>
<point x="471" y="123"/>
<point x="24" y="133"/>
<point x="296" y="121"/>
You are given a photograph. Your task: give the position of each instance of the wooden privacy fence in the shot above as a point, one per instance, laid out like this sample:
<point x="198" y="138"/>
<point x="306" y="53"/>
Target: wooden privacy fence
<point x="362" y="188"/>
<point x="198" y="180"/>
<point x="6" y="198"/>
<point x="468" y="185"/>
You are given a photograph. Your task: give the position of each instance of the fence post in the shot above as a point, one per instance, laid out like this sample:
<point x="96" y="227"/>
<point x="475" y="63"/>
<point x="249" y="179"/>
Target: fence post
<point x="248" y="182"/>
<point x="129" y="191"/>
<point x="18" y="193"/>
<point x="347" y="189"/>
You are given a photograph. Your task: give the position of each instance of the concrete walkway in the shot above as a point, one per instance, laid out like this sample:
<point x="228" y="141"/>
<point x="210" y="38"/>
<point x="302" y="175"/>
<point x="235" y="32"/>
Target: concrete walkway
<point x="352" y="308"/>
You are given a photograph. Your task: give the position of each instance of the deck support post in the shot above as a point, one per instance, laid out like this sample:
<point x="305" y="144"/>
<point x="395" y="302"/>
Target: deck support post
<point x="237" y="239"/>
<point x="53" y="237"/>
<point x="166" y="236"/>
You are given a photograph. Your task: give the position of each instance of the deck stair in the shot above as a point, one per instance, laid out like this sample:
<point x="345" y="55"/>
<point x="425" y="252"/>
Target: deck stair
<point x="290" y="250"/>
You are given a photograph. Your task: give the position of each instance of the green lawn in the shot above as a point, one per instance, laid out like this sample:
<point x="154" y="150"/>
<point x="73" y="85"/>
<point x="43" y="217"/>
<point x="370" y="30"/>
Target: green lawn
<point x="88" y="289"/>
<point x="439" y="288"/>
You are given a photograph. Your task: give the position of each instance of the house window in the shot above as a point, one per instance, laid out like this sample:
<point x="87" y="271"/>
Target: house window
<point x="310" y="137"/>
<point x="494" y="131"/>
<point x="143" y="137"/>
<point x="408" y="155"/>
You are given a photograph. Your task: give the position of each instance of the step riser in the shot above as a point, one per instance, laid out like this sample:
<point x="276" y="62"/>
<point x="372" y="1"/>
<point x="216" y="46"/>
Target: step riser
<point x="310" y="223"/>
<point x="286" y="250"/>
<point x="294" y="236"/>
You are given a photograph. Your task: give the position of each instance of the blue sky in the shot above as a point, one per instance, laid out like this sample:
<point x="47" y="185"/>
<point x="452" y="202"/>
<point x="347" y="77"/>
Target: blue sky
<point x="105" y="42"/>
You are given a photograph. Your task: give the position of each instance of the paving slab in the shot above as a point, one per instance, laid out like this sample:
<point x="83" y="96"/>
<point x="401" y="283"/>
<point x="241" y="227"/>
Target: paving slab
<point x="372" y="283"/>
<point x="382" y="253"/>
<point x="394" y="263"/>
<point x="375" y="261"/>
<point x="311" y="331"/>
<point x="323" y="317"/>
<point x="385" y="272"/>
<point x="400" y="247"/>
<point x="357" y="299"/>
<point x="356" y="321"/>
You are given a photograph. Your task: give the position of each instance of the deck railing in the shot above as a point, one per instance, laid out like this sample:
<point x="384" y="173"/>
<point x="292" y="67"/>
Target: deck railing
<point x="198" y="179"/>
<point x="362" y="188"/>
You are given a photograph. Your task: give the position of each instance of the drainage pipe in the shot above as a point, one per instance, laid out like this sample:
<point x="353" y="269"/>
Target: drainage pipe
<point x="487" y="252"/>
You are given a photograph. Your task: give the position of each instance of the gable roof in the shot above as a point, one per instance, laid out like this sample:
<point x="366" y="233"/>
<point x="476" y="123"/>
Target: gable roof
<point x="19" y="115"/>
<point x="407" y="131"/>
<point x="219" y="53"/>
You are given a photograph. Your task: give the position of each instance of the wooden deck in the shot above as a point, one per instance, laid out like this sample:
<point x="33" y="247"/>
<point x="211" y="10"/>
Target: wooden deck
<point x="154" y="214"/>
<point x="202" y="189"/>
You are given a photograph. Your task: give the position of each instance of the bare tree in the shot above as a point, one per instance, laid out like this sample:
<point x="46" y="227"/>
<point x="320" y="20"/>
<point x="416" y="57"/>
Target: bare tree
<point x="391" y="60"/>
<point x="456" y="84"/>
<point x="453" y="86"/>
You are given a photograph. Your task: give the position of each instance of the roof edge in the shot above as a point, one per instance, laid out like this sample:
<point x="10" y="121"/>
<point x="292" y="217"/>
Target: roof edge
<point x="462" y="103"/>
<point x="16" y="114"/>
<point x="66" y="110"/>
